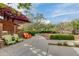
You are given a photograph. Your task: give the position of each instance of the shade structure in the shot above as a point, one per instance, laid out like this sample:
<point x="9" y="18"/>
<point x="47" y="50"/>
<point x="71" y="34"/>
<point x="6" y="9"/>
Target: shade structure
<point x="12" y="13"/>
<point x="11" y="19"/>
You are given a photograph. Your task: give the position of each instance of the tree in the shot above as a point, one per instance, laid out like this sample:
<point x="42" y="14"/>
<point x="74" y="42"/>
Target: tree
<point x="24" y="5"/>
<point x="29" y="15"/>
<point x="63" y="27"/>
<point x="75" y="25"/>
<point x="38" y="24"/>
<point x="38" y="21"/>
<point x="39" y="18"/>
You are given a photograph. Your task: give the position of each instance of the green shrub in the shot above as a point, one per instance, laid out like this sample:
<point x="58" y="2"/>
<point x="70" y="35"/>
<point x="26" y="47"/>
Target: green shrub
<point x="32" y="32"/>
<point x="45" y="32"/>
<point x="62" y="37"/>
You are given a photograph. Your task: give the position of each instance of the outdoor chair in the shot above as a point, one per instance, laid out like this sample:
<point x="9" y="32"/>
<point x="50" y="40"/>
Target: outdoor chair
<point x="9" y="39"/>
<point x="17" y="38"/>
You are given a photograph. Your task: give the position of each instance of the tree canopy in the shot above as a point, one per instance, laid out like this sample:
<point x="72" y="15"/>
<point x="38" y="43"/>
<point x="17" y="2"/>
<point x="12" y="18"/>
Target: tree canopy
<point x="24" y="5"/>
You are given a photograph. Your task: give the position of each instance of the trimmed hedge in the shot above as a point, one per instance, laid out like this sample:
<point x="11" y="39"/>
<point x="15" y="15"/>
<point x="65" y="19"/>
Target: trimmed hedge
<point x="62" y="37"/>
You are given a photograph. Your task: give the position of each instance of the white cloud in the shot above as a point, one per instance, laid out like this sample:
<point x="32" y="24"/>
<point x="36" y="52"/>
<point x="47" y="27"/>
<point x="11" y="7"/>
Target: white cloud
<point x="64" y="13"/>
<point x="62" y="9"/>
<point x="45" y="21"/>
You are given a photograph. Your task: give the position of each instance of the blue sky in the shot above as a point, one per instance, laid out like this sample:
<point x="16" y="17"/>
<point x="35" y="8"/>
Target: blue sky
<point x="56" y="12"/>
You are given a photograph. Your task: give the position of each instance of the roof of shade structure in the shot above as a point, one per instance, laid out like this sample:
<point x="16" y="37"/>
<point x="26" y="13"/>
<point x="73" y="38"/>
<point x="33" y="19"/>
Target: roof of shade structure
<point x="12" y="13"/>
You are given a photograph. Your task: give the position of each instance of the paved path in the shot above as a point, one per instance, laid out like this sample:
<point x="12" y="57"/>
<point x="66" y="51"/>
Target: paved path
<point x="38" y="46"/>
<point x="17" y="50"/>
<point x="29" y="47"/>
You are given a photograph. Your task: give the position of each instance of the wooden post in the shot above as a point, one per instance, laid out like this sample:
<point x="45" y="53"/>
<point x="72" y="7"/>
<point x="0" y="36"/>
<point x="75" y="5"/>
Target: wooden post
<point x="1" y="43"/>
<point x="1" y="29"/>
<point x="14" y="28"/>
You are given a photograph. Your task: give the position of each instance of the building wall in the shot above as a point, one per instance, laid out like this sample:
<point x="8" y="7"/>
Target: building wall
<point x="8" y="26"/>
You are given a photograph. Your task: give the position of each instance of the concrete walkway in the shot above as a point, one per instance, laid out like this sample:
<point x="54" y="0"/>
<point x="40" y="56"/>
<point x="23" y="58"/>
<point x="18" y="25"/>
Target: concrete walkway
<point x="38" y="46"/>
<point x="17" y="50"/>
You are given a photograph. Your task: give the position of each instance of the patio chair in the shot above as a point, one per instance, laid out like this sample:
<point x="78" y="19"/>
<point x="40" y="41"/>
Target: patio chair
<point x="17" y="38"/>
<point x="9" y="39"/>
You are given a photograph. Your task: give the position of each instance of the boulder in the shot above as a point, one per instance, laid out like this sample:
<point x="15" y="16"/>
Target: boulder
<point x="76" y="43"/>
<point x="61" y="43"/>
<point x="71" y="44"/>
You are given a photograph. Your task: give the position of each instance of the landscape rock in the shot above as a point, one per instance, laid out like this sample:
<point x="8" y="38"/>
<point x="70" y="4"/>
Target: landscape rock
<point x="76" y="43"/>
<point x="61" y="43"/>
<point x="71" y="44"/>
